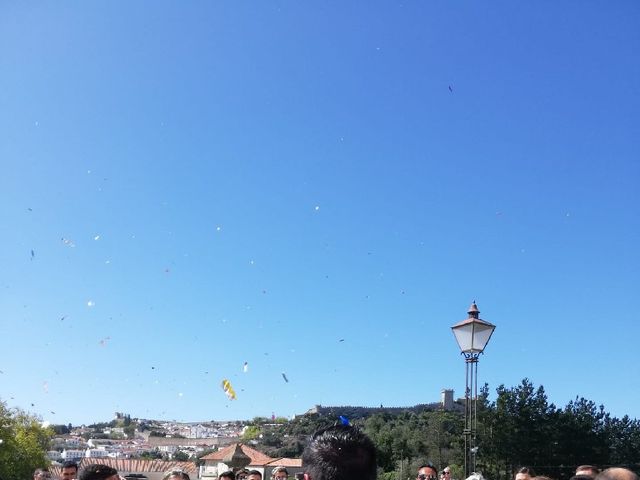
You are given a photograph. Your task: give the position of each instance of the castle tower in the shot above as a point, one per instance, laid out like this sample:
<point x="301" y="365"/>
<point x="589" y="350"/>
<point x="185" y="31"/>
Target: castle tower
<point x="446" y="399"/>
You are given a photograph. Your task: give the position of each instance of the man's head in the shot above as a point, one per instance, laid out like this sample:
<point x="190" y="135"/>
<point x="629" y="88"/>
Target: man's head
<point x="279" y="473"/>
<point x="427" y="472"/>
<point x="228" y="475"/>
<point x="525" y="473"/>
<point x="341" y="452"/>
<point x="69" y="470"/>
<point x="41" y="474"/>
<point x="254" y="475"/>
<point x="242" y="474"/>
<point x="176" y="475"/>
<point x="617" y="473"/>
<point x="587" y="471"/>
<point x="96" y="471"/>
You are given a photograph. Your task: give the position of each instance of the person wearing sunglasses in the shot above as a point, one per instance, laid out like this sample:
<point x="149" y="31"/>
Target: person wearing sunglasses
<point x="427" y="472"/>
<point x="446" y="474"/>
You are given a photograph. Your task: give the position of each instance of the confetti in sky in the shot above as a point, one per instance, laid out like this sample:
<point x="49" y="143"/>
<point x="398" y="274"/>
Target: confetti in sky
<point x="228" y="389"/>
<point x="430" y="181"/>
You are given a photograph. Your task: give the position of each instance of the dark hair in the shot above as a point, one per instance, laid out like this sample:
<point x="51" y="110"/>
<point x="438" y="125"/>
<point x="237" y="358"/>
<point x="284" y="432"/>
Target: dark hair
<point x="255" y="472"/>
<point x="96" y="471"/>
<point x="70" y="464"/>
<point x="528" y="470"/>
<point x="341" y="452"/>
<point x="242" y="471"/>
<point x="429" y="465"/>
<point x="228" y="474"/>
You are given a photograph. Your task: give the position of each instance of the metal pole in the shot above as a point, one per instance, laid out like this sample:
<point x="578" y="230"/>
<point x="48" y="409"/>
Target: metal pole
<point x="470" y="413"/>
<point x="474" y="428"/>
<point x="467" y="417"/>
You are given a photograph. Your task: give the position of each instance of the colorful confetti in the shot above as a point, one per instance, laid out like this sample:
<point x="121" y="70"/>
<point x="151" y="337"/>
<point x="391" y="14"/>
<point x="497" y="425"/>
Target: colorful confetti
<point x="228" y="389"/>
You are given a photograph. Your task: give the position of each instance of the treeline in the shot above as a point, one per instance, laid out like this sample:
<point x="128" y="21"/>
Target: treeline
<point x="519" y="428"/>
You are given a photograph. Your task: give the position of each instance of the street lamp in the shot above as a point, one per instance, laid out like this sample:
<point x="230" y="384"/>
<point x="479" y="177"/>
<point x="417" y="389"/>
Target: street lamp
<point x="472" y="335"/>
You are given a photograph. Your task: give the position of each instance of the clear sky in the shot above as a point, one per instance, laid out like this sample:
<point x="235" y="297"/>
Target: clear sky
<point x="315" y="188"/>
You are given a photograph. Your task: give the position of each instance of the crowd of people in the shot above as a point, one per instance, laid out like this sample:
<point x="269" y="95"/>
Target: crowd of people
<point x="341" y="452"/>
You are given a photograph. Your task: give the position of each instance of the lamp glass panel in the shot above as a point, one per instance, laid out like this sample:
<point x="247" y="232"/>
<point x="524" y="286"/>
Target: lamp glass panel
<point x="464" y="337"/>
<point x="481" y="336"/>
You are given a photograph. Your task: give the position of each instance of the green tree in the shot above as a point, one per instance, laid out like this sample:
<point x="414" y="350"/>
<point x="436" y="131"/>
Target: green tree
<point x="60" y="429"/>
<point x="580" y="433"/>
<point x="23" y="443"/>
<point x="180" y="456"/>
<point x="154" y="454"/>
<point x="251" y="433"/>
<point x="624" y="441"/>
<point x="522" y="429"/>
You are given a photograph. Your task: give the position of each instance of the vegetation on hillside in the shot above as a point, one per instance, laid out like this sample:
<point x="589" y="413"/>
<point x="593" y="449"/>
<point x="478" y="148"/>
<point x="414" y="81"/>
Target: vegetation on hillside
<point x="519" y="428"/>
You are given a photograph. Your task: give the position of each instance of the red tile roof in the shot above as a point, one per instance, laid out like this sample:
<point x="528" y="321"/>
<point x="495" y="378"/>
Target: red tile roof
<point x="257" y="458"/>
<point x="286" y="462"/>
<point x="135" y="465"/>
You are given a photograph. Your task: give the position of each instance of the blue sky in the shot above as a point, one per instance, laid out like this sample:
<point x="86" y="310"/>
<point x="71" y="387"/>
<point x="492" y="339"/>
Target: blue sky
<point x="204" y="184"/>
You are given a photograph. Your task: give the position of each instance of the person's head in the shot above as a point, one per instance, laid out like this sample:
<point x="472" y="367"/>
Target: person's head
<point x="96" y="471"/>
<point x="175" y="475"/>
<point x="427" y="472"/>
<point x="228" y="475"/>
<point x="279" y="473"/>
<point x="69" y="470"/>
<point x="587" y="470"/>
<point x="41" y="474"/>
<point x="616" y="473"/>
<point x="341" y="452"/>
<point x="446" y="473"/>
<point x="242" y="474"/>
<point x="254" y="475"/>
<point x="525" y="473"/>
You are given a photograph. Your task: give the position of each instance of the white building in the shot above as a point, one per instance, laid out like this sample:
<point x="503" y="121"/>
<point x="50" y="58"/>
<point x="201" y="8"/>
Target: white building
<point x="72" y="454"/>
<point x="72" y="442"/>
<point x="96" y="453"/>
<point x="54" y="455"/>
<point x="168" y="448"/>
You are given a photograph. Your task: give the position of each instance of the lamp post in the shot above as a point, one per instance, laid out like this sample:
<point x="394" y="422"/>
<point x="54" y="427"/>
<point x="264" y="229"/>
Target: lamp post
<point x="472" y="335"/>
